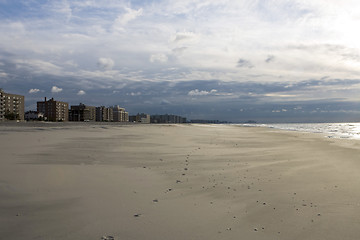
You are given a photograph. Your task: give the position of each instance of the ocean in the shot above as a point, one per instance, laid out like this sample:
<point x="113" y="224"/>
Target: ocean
<point x="331" y="130"/>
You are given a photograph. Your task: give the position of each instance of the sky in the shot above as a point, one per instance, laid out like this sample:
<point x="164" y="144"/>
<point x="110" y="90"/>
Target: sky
<point x="231" y="60"/>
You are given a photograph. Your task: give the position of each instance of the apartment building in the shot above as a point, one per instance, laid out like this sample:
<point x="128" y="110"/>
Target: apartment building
<point x="82" y="113"/>
<point x="166" y="118"/>
<point x="140" y="118"/>
<point x="120" y="115"/>
<point x="55" y="111"/>
<point x="2" y="107"/>
<point x="104" y="114"/>
<point x="12" y="106"/>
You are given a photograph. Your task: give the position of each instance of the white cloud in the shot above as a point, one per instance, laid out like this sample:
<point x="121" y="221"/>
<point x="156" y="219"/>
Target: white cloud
<point x="204" y="39"/>
<point x="2" y="74"/>
<point x="280" y="95"/>
<point x="56" y="89"/>
<point x="279" y="111"/>
<point x="71" y="63"/>
<point x="39" y="66"/>
<point x="17" y="27"/>
<point x="186" y="37"/>
<point x="34" y="90"/>
<point x="81" y="92"/>
<point x="105" y="63"/>
<point x="160" y="57"/>
<point x="61" y="7"/>
<point x="135" y="93"/>
<point x="124" y="19"/>
<point x="196" y="92"/>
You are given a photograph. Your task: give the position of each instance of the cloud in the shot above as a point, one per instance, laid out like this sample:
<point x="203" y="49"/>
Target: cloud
<point x="34" y="90"/>
<point x="71" y="63"/>
<point x="62" y="8"/>
<point x="280" y="95"/>
<point x="2" y="74"/>
<point x="279" y="111"/>
<point x="56" y="89"/>
<point x="165" y="102"/>
<point x="81" y="92"/>
<point x="50" y="44"/>
<point x="160" y="57"/>
<point x="196" y="92"/>
<point x="124" y="19"/>
<point x="77" y="43"/>
<point x="39" y="66"/>
<point x="179" y="50"/>
<point x="105" y="63"/>
<point x="242" y="63"/>
<point x="270" y="58"/>
<point x="135" y="93"/>
<point x="185" y="36"/>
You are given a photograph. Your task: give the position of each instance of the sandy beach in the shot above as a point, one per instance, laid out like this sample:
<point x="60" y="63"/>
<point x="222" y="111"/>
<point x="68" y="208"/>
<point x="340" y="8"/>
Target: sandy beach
<point x="93" y="181"/>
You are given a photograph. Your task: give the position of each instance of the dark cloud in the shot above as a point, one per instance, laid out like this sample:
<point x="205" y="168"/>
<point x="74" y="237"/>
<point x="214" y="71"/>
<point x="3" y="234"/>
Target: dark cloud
<point x="270" y="58"/>
<point x="307" y="100"/>
<point x="243" y="63"/>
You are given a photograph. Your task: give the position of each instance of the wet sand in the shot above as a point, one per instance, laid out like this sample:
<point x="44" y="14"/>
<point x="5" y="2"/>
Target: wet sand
<point x="86" y="181"/>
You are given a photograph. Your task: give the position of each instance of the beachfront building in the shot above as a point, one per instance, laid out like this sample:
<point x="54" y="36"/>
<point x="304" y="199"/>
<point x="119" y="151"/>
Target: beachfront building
<point x="166" y="118"/>
<point x="207" y="121"/>
<point x="12" y="106"/>
<point x="82" y="113"/>
<point x="2" y="107"/>
<point x="55" y="111"/>
<point x="120" y="115"/>
<point x="140" y="118"/>
<point x="104" y="114"/>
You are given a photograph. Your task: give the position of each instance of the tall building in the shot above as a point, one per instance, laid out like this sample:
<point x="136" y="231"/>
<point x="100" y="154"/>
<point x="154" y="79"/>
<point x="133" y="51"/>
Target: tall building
<point x="104" y="114"/>
<point x="55" y="111"/>
<point x="2" y="107"/>
<point x="140" y="118"/>
<point x="12" y="106"/>
<point x="82" y="112"/>
<point x="119" y="114"/>
<point x="167" y="119"/>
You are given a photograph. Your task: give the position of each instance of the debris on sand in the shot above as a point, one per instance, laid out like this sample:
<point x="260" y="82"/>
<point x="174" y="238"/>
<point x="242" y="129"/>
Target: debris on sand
<point x="107" y="238"/>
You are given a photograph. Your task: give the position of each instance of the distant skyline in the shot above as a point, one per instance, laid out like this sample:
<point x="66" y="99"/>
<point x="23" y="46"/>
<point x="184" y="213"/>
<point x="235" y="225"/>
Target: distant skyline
<point x="265" y="60"/>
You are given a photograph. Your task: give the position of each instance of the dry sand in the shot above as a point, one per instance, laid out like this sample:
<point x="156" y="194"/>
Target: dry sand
<point x="85" y="181"/>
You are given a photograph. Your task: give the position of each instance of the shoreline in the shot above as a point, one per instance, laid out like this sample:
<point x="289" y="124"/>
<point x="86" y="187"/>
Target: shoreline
<point x="174" y="181"/>
<point x="327" y="133"/>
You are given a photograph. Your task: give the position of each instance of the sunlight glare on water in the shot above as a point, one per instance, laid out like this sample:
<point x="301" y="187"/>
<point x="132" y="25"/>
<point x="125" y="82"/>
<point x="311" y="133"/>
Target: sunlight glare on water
<point x="331" y="130"/>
